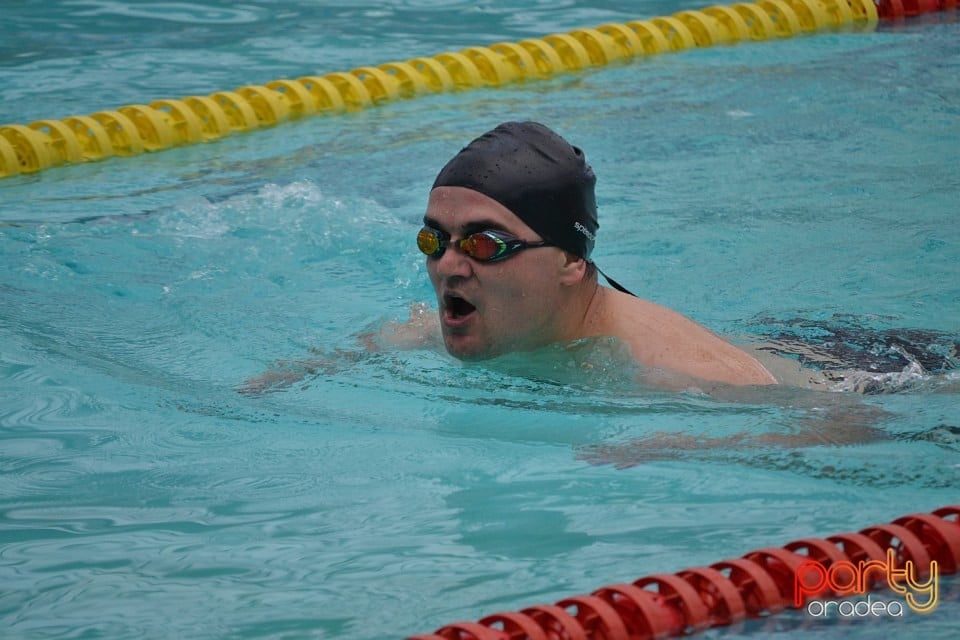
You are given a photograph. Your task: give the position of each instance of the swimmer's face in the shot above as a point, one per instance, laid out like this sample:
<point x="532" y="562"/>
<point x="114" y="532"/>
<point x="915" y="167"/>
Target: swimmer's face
<point x="488" y="309"/>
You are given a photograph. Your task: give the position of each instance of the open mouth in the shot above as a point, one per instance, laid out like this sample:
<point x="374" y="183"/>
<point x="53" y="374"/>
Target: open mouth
<point x="456" y="307"/>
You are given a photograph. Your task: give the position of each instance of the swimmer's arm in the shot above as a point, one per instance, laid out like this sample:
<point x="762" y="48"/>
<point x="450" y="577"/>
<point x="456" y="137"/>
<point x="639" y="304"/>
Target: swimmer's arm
<point x="286" y="373"/>
<point x="736" y="447"/>
<point x="832" y="421"/>
<point x="421" y="330"/>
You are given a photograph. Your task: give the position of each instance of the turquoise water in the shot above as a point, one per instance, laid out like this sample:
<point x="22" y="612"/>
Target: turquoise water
<point x="800" y="189"/>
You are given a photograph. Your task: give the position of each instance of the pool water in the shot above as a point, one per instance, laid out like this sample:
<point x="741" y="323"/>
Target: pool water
<point x="803" y="190"/>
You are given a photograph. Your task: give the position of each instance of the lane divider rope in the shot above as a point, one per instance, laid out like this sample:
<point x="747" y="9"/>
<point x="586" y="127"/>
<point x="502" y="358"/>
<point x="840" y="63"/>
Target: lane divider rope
<point x="135" y="129"/>
<point x="758" y="584"/>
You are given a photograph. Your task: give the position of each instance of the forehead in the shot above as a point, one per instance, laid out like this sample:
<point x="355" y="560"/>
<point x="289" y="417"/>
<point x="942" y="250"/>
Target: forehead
<point x="455" y="209"/>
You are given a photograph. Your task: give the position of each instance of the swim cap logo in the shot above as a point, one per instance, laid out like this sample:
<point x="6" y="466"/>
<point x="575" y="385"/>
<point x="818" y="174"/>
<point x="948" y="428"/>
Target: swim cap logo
<point x="582" y="229"/>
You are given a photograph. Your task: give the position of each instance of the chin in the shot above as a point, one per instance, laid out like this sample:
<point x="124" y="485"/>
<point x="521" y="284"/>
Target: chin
<point x="463" y="350"/>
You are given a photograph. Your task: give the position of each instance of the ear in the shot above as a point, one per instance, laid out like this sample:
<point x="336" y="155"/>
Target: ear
<point x="573" y="271"/>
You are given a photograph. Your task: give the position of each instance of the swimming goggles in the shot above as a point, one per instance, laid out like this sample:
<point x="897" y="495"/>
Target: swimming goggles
<point x="484" y="246"/>
<point x="487" y="246"/>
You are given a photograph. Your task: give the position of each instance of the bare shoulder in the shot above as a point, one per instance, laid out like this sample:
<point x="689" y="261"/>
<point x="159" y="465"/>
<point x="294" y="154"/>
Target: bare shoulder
<point x="662" y="338"/>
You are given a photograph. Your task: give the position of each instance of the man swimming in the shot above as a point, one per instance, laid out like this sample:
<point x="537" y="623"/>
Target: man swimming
<point x="510" y="224"/>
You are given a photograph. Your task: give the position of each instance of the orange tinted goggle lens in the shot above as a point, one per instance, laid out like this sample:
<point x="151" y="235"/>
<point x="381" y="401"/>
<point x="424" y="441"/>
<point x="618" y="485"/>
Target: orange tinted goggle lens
<point x="481" y="246"/>
<point x="428" y="242"/>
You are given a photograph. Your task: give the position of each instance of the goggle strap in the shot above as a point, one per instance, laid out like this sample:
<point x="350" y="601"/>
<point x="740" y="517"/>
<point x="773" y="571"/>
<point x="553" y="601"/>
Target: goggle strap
<point x="613" y="283"/>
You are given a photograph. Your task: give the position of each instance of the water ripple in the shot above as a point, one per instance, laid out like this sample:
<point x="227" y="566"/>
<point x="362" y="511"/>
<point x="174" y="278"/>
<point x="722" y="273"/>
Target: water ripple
<point x="184" y="12"/>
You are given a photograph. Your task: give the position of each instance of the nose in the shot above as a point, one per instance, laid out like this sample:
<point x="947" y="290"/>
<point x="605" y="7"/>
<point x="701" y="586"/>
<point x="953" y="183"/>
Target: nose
<point x="453" y="263"/>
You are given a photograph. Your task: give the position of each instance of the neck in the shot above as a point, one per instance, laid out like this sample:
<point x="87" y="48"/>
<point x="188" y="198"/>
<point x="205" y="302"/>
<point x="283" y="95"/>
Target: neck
<point x="587" y="306"/>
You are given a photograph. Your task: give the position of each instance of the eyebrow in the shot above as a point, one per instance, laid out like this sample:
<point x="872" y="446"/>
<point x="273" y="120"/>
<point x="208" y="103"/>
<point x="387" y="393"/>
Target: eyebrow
<point x="469" y="228"/>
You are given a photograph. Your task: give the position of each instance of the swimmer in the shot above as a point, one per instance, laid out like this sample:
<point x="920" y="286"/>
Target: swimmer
<point x="510" y="224"/>
<point x="508" y="232"/>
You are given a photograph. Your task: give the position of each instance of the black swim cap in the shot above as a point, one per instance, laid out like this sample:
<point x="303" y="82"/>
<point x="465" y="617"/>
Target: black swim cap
<point x="538" y="176"/>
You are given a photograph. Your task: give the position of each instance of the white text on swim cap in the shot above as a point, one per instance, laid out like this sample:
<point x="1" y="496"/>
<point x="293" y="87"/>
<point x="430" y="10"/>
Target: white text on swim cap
<point x="582" y="229"/>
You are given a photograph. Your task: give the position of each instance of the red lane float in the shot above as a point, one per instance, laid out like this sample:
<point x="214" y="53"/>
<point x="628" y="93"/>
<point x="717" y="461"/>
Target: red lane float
<point x="900" y="9"/>
<point x="758" y="584"/>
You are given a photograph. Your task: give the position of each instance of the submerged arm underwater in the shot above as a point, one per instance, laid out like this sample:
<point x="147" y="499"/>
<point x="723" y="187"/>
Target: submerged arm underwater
<point x="826" y="378"/>
<point x="826" y="420"/>
<point x="420" y="331"/>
